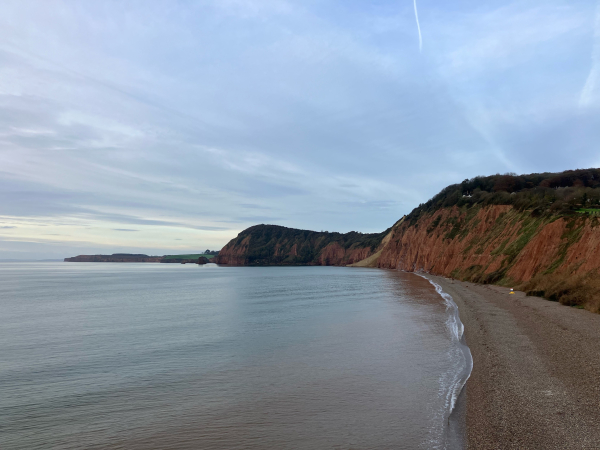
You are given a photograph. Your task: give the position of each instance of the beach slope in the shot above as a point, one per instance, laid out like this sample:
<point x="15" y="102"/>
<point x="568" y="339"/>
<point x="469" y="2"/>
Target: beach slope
<point x="536" y="370"/>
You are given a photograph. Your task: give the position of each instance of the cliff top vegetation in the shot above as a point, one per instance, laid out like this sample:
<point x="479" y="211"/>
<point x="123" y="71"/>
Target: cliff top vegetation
<point x="569" y="192"/>
<point x="269" y="232"/>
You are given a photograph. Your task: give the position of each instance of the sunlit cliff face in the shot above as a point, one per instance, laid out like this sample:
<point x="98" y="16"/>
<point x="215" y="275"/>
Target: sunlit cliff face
<point x="155" y="127"/>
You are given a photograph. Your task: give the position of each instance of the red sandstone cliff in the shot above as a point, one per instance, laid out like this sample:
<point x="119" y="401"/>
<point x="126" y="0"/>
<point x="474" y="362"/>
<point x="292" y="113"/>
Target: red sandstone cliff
<point x="234" y="254"/>
<point x="555" y="257"/>
<point x="276" y="245"/>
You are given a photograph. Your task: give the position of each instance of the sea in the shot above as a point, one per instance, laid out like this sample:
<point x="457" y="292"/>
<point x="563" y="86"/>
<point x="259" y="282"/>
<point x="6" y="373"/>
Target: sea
<point x="181" y="356"/>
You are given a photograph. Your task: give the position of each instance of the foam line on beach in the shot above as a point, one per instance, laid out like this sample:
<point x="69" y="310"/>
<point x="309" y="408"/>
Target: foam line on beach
<point x="457" y="329"/>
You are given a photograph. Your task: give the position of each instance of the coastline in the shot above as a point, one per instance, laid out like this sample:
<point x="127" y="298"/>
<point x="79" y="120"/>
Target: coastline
<point x="536" y="367"/>
<point x="455" y="399"/>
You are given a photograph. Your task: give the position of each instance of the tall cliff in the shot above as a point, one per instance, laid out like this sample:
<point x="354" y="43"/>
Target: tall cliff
<point x="557" y="257"/>
<point x="537" y="232"/>
<point x="276" y="245"/>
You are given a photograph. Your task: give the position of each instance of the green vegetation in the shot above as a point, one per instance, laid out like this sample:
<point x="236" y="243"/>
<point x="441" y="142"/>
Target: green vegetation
<point x="580" y="290"/>
<point x="570" y="192"/>
<point x="507" y="249"/>
<point x="277" y="245"/>
<point x="571" y="235"/>
<point x="528" y="229"/>
<point x="591" y="211"/>
<point x="434" y="225"/>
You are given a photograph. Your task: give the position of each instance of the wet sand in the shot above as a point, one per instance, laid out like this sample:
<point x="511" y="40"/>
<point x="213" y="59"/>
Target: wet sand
<point x="536" y="370"/>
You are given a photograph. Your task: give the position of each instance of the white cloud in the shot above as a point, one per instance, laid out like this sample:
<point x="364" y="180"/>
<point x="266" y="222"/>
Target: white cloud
<point x="179" y="119"/>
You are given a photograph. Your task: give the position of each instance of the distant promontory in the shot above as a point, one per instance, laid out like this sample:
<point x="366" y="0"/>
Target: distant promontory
<point x="201" y="258"/>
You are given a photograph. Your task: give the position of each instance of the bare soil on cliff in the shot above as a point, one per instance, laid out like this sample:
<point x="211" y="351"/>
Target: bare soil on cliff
<point x="536" y="370"/>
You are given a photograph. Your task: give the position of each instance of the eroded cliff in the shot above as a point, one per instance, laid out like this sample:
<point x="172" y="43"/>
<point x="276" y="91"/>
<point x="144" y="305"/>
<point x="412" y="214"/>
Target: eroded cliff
<point x="557" y="257"/>
<point x="276" y="245"/>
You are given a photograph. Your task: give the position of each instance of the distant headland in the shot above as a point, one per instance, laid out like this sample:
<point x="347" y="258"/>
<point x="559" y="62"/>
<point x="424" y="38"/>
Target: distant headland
<point x="200" y="258"/>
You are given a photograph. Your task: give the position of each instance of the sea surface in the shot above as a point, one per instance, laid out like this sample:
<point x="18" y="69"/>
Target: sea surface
<point x="172" y="356"/>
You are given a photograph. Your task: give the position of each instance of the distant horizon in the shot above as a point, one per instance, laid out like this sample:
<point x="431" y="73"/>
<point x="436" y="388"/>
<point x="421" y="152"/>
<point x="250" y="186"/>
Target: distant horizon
<point x="30" y="260"/>
<point x="105" y="254"/>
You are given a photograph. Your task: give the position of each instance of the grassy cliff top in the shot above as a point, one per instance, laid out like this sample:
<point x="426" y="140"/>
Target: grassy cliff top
<point x="264" y="234"/>
<point x="566" y="192"/>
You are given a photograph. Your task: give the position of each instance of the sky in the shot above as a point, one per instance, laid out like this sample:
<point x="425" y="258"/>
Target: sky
<point x="164" y="127"/>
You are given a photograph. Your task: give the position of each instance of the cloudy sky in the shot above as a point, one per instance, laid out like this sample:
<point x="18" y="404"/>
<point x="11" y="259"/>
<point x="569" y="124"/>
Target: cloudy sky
<point x="170" y="126"/>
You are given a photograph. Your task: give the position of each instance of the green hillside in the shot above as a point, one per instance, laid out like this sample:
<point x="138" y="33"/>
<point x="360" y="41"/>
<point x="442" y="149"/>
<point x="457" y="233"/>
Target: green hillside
<point x="564" y="193"/>
<point x="273" y="245"/>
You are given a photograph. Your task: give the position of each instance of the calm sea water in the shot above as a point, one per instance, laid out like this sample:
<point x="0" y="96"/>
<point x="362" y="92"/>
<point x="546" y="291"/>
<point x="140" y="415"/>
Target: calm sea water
<point x="171" y="356"/>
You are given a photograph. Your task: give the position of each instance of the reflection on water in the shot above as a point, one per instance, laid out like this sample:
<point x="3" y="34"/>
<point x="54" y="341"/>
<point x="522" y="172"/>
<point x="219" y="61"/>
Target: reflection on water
<point x="158" y="356"/>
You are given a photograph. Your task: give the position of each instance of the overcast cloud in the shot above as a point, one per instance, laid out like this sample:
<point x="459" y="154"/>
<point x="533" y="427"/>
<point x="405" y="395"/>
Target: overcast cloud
<point x="170" y="126"/>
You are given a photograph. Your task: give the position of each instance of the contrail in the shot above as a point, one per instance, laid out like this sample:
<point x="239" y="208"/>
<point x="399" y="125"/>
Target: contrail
<point x="418" y="27"/>
<point x="592" y="82"/>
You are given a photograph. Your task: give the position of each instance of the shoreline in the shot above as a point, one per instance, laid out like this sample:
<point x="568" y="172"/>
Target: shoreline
<point x="536" y="367"/>
<point x="455" y="436"/>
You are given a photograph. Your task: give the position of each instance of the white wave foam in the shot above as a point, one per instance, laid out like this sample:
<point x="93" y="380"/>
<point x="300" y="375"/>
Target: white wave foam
<point x="452" y="383"/>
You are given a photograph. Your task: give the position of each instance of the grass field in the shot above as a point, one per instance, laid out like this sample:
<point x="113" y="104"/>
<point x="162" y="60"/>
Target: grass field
<point x="590" y="211"/>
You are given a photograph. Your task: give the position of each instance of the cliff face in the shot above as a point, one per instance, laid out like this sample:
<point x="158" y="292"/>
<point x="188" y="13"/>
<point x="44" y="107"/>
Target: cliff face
<point x="550" y="256"/>
<point x="275" y="245"/>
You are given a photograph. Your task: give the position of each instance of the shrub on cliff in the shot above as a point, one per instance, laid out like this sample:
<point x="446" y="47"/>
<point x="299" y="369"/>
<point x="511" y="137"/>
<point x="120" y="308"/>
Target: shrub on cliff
<point x="552" y="193"/>
<point x="581" y="290"/>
